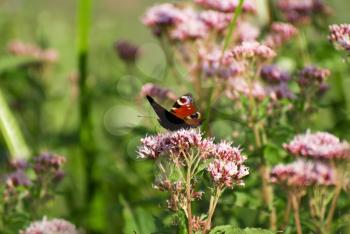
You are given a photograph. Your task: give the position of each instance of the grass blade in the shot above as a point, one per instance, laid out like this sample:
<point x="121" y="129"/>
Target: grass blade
<point x="232" y="25"/>
<point x="11" y="132"/>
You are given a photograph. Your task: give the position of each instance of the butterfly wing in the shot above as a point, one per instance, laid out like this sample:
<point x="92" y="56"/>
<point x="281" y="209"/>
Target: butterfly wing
<point x="167" y="119"/>
<point x="184" y="106"/>
<point x="185" y="109"/>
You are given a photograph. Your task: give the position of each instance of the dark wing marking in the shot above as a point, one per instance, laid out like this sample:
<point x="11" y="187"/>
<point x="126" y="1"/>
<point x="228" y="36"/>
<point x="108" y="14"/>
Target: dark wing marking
<point x="165" y="118"/>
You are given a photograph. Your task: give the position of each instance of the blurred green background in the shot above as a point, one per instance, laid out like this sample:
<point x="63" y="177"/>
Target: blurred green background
<point x="125" y="183"/>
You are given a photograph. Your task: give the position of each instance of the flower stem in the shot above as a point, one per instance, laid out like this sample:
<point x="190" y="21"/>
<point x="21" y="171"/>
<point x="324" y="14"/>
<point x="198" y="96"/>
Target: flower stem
<point x="213" y="202"/>
<point x="295" y="204"/>
<point x="337" y="191"/>
<point x="188" y="196"/>
<point x="287" y="214"/>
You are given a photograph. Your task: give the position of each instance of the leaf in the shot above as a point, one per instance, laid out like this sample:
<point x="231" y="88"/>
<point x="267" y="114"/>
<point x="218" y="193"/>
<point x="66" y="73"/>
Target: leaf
<point x="14" y="62"/>
<point x="182" y="223"/>
<point x="139" y="221"/>
<point x="11" y="131"/>
<point x="343" y="221"/>
<point x="145" y="220"/>
<point x="130" y="224"/>
<point x="228" y="229"/>
<point x="272" y="154"/>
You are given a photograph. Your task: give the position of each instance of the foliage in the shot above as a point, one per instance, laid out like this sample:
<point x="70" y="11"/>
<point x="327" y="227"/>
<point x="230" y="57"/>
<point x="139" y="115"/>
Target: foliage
<point x="85" y="100"/>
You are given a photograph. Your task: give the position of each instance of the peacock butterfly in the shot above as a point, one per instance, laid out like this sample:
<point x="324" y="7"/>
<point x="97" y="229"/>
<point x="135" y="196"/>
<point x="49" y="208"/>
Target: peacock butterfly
<point x="183" y="114"/>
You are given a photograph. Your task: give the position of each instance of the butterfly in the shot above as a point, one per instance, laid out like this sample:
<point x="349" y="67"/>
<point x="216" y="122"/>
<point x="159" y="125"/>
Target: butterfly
<point x="183" y="114"/>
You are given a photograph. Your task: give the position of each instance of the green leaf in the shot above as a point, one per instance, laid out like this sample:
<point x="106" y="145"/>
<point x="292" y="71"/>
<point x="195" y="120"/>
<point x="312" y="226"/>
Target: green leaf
<point x="138" y="221"/>
<point x="343" y="221"/>
<point x="13" y="62"/>
<point x="227" y="229"/>
<point x="272" y="154"/>
<point x="11" y="131"/>
<point x="145" y="220"/>
<point x="182" y="223"/>
<point x="130" y="224"/>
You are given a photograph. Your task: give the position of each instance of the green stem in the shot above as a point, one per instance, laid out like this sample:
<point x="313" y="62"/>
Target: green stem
<point x="85" y="102"/>
<point x="232" y="25"/>
<point x="188" y="196"/>
<point x="213" y="202"/>
<point x="11" y="132"/>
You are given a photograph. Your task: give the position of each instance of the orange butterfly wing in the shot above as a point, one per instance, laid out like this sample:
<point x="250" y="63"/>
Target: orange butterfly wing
<point x="184" y="107"/>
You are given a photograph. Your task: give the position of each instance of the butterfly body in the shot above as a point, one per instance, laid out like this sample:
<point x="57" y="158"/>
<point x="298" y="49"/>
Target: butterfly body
<point x="183" y="114"/>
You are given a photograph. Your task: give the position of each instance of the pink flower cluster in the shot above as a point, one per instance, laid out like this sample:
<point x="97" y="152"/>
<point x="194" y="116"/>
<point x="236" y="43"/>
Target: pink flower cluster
<point x="280" y="34"/>
<point x="53" y="226"/>
<point x="303" y="173"/>
<point x="300" y="11"/>
<point x="319" y="145"/>
<point x="252" y="49"/>
<point x="240" y="86"/>
<point x="179" y="23"/>
<point x="174" y="142"/>
<point x="19" y="48"/>
<point x="163" y="15"/>
<point x="246" y="31"/>
<point x="340" y="36"/>
<point x="127" y="51"/>
<point x="228" y="6"/>
<point x="227" y="168"/>
<point x="191" y="28"/>
<point x="216" y="64"/>
<point x="273" y="74"/>
<point x="182" y="23"/>
<point x="215" y="20"/>
<point x="312" y="75"/>
<point x="17" y="178"/>
<point x="157" y="91"/>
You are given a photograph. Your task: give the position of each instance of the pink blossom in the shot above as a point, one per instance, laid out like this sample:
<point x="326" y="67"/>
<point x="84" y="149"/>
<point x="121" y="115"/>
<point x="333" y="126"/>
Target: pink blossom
<point x="227" y="168"/>
<point x="340" y="36"/>
<point x="246" y="31"/>
<point x="177" y="142"/>
<point x="48" y="162"/>
<point x="225" y="151"/>
<point x="53" y="226"/>
<point x="19" y="48"/>
<point x="215" y="20"/>
<point x="17" y="178"/>
<point x="157" y="91"/>
<point x="216" y="64"/>
<point x="227" y="173"/>
<point x="199" y="224"/>
<point x="303" y="173"/>
<point x="273" y="74"/>
<point x="227" y="6"/>
<point x="239" y="86"/>
<point x="127" y="51"/>
<point x="150" y="147"/>
<point x="279" y="91"/>
<point x="280" y="33"/>
<point x="313" y="75"/>
<point x="320" y="145"/>
<point x="252" y="49"/>
<point x="300" y="11"/>
<point x="191" y="28"/>
<point x="162" y="15"/>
